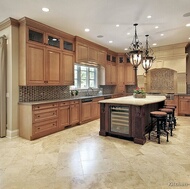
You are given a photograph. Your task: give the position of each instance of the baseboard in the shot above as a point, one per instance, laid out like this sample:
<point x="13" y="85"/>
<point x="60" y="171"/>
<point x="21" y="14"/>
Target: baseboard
<point x="12" y="134"/>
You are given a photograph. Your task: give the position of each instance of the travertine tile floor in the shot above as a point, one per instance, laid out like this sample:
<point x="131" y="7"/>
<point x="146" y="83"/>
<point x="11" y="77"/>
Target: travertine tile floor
<point x="78" y="158"/>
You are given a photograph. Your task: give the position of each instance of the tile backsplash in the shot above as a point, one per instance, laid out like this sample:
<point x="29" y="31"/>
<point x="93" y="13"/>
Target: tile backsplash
<point x="43" y="93"/>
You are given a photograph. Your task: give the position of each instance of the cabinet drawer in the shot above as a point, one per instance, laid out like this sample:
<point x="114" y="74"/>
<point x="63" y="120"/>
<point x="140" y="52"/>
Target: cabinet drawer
<point x="74" y="102"/>
<point x="97" y="99"/>
<point x="45" y="126"/>
<point x="66" y="103"/>
<point x="185" y="97"/>
<point x="44" y="106"/>
<point x="42" y="115"/>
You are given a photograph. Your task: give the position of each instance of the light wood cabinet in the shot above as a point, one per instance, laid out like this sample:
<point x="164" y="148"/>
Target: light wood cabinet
<point x="74" y="112"/>
<point x="38" y="120"/>
<point x="64" y="114"/>
<point x="43" y="65"/>
<point x="90" y="110"/>
<point x="86" y="111"/>
<point x="120" y="78"/>
<point x="184" y="105"/>
<point x="67" y="70"/>
<point x="92" y="54"/>
<point x="42" y="49"/>
<point x="111" y="74"/>
<point x="102" y="57"/>
<point x="129" y="74"/>
<point x="81" y="52"/>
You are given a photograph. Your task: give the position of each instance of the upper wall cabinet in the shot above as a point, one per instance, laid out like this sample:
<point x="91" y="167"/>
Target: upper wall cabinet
<point x="88" y="52"/>
<point x="45" y="54"/>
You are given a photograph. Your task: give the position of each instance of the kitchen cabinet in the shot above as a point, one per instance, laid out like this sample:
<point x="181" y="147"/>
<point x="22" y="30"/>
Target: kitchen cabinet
<point x="102" y="57"/>
<point x="64" y="114"/>
<point x="86" y="111"/>
<point x="129" y="74"/>
<point x="92" y="54"/>
<point x="89" y="52"/>
<point x="184" y="105"/>
<point x="111" y="74"/>
<point x="38" y="120"/>
<point x="120" y="78"/>
<point x="67" y="70"/>
<point x="74" y="112"/>
<point x="42" y="49"/>
<point x="81" y="52"/>
<point x="90" y="110"/>
<point x="43" y="65"/>
<point x="68" y="113"/>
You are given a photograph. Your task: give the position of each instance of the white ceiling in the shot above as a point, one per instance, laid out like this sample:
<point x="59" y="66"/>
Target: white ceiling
<point x="101" y="17"/>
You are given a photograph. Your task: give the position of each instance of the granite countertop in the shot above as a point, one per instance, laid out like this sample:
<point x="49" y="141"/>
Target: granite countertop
<point x="65" y="99"/>
<point x="130" y="100"/>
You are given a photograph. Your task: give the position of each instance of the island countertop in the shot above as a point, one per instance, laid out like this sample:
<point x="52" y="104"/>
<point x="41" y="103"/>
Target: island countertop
<point x="130" y="100"/>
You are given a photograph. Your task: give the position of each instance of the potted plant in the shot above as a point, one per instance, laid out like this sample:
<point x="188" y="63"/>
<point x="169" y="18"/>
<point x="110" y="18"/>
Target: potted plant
<point x="139" y="92"/>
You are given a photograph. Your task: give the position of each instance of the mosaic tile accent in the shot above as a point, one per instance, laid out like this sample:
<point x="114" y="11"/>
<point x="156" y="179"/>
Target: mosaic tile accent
<point x="40" y="93"/>
<point x="162" y="80"/>
<point x="43" y="93"/>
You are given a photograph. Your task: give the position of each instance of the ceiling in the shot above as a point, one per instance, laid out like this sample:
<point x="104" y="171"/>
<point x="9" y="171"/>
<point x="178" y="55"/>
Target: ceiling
<point x="101" y="17"/>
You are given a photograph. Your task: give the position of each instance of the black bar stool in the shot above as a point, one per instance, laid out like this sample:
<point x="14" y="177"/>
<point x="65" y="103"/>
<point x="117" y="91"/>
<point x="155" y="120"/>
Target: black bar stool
<point x="169" y="118"/>
<point x="159" y="119"/>
<point x="173" y="115"/>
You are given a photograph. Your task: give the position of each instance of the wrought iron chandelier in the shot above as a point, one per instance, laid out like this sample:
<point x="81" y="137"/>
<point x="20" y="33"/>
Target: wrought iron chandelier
<point x="137" y="55"/>
<point x="148" y="57"/>
<point x="136" y="51"/>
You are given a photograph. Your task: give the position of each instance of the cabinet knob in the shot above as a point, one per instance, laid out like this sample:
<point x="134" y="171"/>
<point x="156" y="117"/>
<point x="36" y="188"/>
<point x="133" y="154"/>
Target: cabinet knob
<point x="38" y="115"/>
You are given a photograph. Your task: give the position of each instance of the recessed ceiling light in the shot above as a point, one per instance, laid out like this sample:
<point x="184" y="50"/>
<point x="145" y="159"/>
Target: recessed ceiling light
<point x="154" y="44"/>
<point x="186" y="14"/>
<point x="125" y="49"/>
<point x="87" y="30"/>
<point x="187" y="25"/>
<point x="149" y="16"/>
<point x="117" y="25"/>
<point x="161" y="34"/>
<point x="45" y="9"/>
<point x="100" y="36"/>
<point x="156" y="27"/>
<point x="110" y="41"/>
<point x="128" y="33"/>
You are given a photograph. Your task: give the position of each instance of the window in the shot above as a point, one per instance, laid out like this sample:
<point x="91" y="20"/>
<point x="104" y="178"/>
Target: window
<point x="85" y="76"/>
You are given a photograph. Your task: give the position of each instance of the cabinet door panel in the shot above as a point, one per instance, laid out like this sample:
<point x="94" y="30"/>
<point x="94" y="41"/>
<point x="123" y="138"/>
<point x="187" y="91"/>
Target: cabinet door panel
<point x="68" y="69"/>
<point x="64" y="117"/>
<point x="74" y="113"/>
<point x="53" y="67"/>
<point x="129" y="74"/>
<point x="35" y="64"/>
<point x="86" y="111"/>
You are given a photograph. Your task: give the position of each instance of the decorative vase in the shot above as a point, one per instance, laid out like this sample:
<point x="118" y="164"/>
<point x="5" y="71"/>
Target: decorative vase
<point x="135" y="95"/>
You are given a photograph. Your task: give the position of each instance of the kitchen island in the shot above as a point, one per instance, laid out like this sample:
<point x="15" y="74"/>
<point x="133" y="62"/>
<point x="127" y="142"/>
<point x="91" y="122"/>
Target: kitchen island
<point x="128" y="117"/>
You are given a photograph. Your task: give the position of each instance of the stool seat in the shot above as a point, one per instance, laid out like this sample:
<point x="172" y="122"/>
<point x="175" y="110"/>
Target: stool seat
<point x="158" y="113"/>
<point x="167" y="110"/>
<point x="170" y="105"/>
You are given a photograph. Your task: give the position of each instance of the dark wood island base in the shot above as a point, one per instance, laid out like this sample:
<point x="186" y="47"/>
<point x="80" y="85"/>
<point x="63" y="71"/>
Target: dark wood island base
<point x="127" y="117"/>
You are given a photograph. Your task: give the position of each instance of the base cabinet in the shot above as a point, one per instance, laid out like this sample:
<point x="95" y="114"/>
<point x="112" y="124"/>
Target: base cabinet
<point x="90" y="110"/>
<point x="184" y="105"/>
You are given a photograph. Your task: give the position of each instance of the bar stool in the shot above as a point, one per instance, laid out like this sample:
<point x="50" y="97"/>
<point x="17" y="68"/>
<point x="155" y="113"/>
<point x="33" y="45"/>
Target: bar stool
<point x="161" y="118"/>
<point x="169" y="118"/>
<point x="173" y="115"/>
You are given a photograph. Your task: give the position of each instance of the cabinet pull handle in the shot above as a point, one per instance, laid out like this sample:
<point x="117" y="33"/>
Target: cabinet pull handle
<point x="38" y="128"/>
<point x="38" y="115"/>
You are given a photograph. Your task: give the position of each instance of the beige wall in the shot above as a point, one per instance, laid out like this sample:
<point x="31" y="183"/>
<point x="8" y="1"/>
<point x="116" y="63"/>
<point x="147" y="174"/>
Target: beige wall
<point x="11" y="33"/>
<point x="172" y="57"/>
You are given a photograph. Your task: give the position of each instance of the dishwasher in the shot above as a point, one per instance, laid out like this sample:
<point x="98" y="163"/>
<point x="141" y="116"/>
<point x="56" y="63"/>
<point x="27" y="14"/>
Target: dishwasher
<point x="119" y="119"/>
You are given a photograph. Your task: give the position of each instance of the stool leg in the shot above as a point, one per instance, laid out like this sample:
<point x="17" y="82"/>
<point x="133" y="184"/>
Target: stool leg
<point x="158" y="131"/>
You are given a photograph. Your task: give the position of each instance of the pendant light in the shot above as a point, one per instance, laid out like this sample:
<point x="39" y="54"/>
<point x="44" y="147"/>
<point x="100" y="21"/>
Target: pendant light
<point x="136" y="52"/>
<point x="148" y="57"/>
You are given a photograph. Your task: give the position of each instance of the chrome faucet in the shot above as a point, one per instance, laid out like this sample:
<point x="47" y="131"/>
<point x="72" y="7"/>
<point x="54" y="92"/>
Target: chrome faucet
<point x="92" y="92"/>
